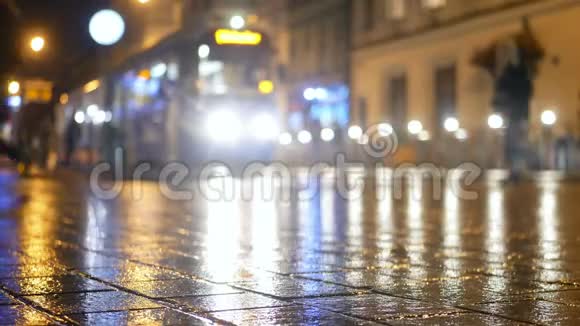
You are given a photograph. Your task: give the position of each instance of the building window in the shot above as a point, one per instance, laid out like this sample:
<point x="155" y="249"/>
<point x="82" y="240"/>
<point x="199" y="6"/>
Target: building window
<point x="395" y="9"/>
<point x="445" y="93"/>
<point x="397" y="100"/>
<point x="434" y="4"/>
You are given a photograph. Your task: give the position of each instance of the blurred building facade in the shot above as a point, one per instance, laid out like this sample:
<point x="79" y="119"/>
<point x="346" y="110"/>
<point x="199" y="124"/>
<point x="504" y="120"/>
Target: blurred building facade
<point x="146" y="25"/>
<point x="318" y="64"/>
<point x="428" y="60"/>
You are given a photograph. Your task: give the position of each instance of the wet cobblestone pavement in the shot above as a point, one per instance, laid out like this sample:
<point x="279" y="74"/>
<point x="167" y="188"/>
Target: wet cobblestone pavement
<point x="509" y="257"/>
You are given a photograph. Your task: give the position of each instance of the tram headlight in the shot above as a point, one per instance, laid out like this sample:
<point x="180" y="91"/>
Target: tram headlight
<point x="264" y="127"/>
<point x="224" y="127"/>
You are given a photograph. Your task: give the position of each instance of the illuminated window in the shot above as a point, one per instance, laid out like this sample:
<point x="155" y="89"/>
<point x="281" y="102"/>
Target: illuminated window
<point x="212" y="79"/>
<point x="395" y="9"/>
<point x="434" y="4"/>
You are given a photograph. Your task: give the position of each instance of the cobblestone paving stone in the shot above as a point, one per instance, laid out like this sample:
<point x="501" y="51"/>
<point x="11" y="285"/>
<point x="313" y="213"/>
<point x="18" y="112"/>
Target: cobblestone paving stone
<point x="224" y="302"/>
<point x="52" y="285"/>
<point x="162" y="316"/>
<point x="179" y="288"/>
<point x="4" y="300"/>
<point x="10" y="315"/>
<point x="507" y="258"/>
<point x="289" y="315"/>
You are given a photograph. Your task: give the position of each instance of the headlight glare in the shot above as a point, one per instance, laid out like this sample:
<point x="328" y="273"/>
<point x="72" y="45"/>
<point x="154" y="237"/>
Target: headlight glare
<point x="264" y="127"/>
<point x="224" y="127"/>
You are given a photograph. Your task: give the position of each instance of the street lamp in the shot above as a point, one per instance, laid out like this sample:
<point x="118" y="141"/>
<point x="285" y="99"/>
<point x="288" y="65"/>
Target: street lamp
<point x="327" y="135"/>
<point x="451" y="124"/>
<point x="385" y="129"/>
<point x="304" y="137"/>
<point x="79" y="117"/>
<point x="309" y="94"/>
<point x="37" y="43"/>
<point x="495" y="121"/>
<point x="92" y="111"/>
<point x="355" y="132"/>
<point x="107" y="27"/>
<point x="548" y="118"/>
<point x="203" y="51"/>
<point x="63" y="99"/>
<point x="415" y="127"/>
<point x="13" y="87"/>
<point x="495" y="139"/>
<point x="237" y="22"/>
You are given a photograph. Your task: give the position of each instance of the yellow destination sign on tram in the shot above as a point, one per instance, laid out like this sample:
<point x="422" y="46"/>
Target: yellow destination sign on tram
<point x="233" y="37"/>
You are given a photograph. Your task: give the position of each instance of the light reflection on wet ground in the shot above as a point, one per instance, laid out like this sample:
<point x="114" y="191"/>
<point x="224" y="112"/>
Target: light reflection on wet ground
<point x="377" y="256"/>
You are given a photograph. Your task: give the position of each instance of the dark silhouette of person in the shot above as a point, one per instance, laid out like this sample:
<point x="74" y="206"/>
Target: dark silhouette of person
<point x="72" y="134"/>
<point x="513" y="92"/>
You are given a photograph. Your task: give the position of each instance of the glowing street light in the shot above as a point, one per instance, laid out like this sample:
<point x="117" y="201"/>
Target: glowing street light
<point x="319" y="93"/>
<point x="63" y="98"/>
<point x="37" y="43"/>
<point x="14" y="101"/>
<point x="100" y="117"/>
<point x="451" y="124"/>
<point x="304" y="137"/>
<point x="327" y="135"/>
<point x="549" y="118"/>
<point x="159" y="70"/>
<point x="13" y="87"/>
<point x="91" y="86"/>
<point x="203" y="51"/>
<point x="495" y="121"/>
<point x="385" y="129"/>
<point x="107" y="27"/>
<point x="93" y="111"/>
<point x="143" y="1"/>
<point x="309" y="94"/>
<point x="415" y="127"/>
<point x="79" y="117"/>
<point x="237" y="22"/>
<point x="355" y="132"/>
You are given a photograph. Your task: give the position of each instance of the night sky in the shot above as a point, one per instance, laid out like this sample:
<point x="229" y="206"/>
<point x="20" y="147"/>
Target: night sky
<point x="63" y="22"/>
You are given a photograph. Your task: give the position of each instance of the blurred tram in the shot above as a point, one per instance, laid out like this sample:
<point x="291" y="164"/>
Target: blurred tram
<point x="194" y="100"/>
